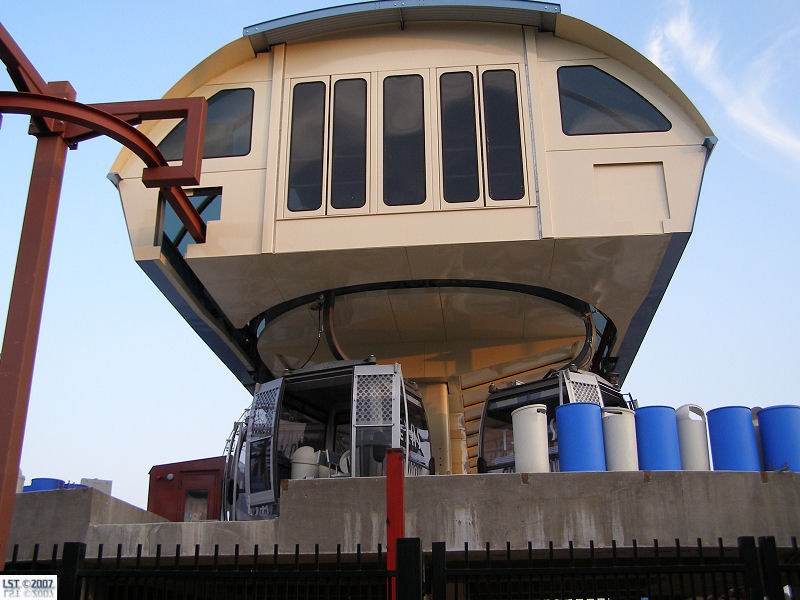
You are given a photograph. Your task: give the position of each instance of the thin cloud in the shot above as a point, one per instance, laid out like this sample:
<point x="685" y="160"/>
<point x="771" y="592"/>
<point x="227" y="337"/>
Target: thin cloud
<point x="746" y="99"/>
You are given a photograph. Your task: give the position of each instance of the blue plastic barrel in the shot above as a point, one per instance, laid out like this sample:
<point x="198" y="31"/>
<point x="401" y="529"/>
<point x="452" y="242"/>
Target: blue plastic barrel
<point x="580" y="437"/>
<point x="780" y="437"/>
<point x="657" y="439"/>
<point x="733" y="439"/>
<point x="42" y="484"/>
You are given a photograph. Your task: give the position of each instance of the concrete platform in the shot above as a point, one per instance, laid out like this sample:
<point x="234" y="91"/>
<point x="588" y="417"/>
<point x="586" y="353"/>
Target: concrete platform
<point x="543" y="507"/>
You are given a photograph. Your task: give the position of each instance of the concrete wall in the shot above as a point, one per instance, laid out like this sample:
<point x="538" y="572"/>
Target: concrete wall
<point x="485" y="508"/>
<point x="58" y="516"/>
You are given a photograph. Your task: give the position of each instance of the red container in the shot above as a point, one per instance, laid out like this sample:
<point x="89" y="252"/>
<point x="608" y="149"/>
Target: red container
<point x="187" y="491"/>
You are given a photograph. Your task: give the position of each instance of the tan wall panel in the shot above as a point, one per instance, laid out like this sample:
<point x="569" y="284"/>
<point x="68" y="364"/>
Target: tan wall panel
<point x="551" y="48"/>
<point x="614" y="192"/>
<point x="420" y="45"/>
<point x="238" y="231"/>
<point x="406" y="229"/>
<point x="259" y="68"/>
<point x="140" y="206"/>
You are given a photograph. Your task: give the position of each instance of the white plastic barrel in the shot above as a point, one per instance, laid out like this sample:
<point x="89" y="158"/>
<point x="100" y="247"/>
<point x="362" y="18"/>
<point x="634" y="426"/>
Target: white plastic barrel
<point x="693" y="438"/>
<point x="304" y="463"/>
<point x="530" y="439"/>
<point x="619" y="439"/>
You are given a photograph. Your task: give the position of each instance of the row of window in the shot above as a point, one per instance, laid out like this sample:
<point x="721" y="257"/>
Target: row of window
<point x="403" y="137"/>
<point x="480" y="124"/>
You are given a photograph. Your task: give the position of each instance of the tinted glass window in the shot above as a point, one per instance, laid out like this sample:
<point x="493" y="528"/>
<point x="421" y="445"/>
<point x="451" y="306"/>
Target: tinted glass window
<point x="419" y="439"/>
<point x="459" y="138"/>
<point x="229" y="122"/>
<point x="306" y="149"/>
<point x="503" y="143"/>
<point x="371" y="446"/>
<point x="349" y="160"/>
<point x="403" y="140"/>
<point x="207" y="201"/>
<point x="592" y="101"/>
<point x="195" y="506"/>
<point x="260" y="465"/>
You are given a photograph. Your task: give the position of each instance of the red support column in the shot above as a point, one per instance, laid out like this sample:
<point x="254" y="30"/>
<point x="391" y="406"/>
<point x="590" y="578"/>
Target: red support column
<point x="395" y="509"/>
<point x="25" y="312"/>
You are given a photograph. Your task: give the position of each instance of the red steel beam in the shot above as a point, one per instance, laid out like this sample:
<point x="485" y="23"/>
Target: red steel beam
<point x="24" y="76"/>
<point x="25" y="312"/>
<point x="133" y="113"/>
<point x="162" y="175"/>
<point x="395" y="509"/>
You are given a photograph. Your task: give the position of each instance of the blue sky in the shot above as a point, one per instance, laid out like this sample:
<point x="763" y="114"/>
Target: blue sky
<point x="122" y="383"/>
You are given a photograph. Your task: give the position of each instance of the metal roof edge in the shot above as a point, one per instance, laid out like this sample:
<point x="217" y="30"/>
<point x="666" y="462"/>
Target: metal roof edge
<point x="326" y="20"/>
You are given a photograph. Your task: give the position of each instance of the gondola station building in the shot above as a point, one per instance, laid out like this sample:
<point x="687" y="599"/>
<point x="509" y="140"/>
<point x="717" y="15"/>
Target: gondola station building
<point x="443" y="226"/>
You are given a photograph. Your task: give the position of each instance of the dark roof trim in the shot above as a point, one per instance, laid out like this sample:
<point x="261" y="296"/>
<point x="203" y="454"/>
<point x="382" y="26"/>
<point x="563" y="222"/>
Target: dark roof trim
<point x="325" y="20"/>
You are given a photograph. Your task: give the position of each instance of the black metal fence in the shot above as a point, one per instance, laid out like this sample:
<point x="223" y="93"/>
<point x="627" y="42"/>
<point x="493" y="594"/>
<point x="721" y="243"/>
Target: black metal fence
<point x="748" y="570"/>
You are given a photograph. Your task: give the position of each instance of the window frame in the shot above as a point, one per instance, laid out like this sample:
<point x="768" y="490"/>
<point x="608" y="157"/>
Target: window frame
<point x="367" y="208"/>
<point x="547" y="86"/>
<point x="429" y="126"/>
<point x="286" y="213"/>
<point x="522" y="115"/>
<point x="479" y="202"/>
<point x="622" y="83"/>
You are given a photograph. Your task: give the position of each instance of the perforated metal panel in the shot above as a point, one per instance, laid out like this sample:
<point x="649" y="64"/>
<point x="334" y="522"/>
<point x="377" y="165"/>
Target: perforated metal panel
<point x="584" y="392"/>
<point x="263" y="412"/>
<point x="583" y="387"/>
<point x="373" y="404"/>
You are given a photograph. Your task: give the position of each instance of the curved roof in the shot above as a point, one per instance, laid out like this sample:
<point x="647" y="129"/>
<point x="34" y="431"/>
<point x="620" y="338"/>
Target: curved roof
<point x="546" y="16"/>
<point x="379" y="12"/>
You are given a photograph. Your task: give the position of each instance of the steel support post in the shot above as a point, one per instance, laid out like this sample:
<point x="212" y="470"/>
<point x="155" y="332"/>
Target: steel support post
<point x="24" y="315"/>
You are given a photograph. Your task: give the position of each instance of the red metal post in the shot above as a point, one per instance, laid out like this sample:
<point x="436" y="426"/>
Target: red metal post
<point x="25" y="311"/>
<point x="395" y="509"/>
<point x="49" y="106"/>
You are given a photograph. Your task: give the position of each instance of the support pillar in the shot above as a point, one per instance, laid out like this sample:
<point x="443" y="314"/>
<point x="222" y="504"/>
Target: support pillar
<point x="25" y="313"/>
<point x="436" y="408"/>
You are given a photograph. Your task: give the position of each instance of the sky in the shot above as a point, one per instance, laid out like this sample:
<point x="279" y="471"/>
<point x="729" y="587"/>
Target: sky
<point x="122" y="383"/>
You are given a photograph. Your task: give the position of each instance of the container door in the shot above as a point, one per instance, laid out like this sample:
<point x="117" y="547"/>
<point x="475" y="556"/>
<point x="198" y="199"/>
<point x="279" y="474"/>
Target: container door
<point x="376" y="417"/>
<point x="261" y="477"/>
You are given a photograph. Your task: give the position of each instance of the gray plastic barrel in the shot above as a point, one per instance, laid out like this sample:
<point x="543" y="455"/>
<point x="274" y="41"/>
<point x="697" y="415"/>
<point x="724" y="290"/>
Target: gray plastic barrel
<point x="657" y="439"/>
<point x="530" y="439"/>
<point x="692" y="438"/>
<point x="780" y="437"/>
<point x="580" y="437"/>
<point x="733" y="439"/>
<point x="619" y="439"/>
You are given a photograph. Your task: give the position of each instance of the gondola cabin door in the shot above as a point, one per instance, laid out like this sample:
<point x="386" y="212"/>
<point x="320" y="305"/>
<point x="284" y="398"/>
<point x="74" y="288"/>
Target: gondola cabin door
<point x="261" y="479"/>
<point x="375" y="417"/>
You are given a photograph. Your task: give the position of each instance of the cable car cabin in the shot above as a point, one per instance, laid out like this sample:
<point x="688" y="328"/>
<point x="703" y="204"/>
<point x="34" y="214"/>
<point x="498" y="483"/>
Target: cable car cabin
<point x="496" y="440"/>
<point x="333" y="420"/>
